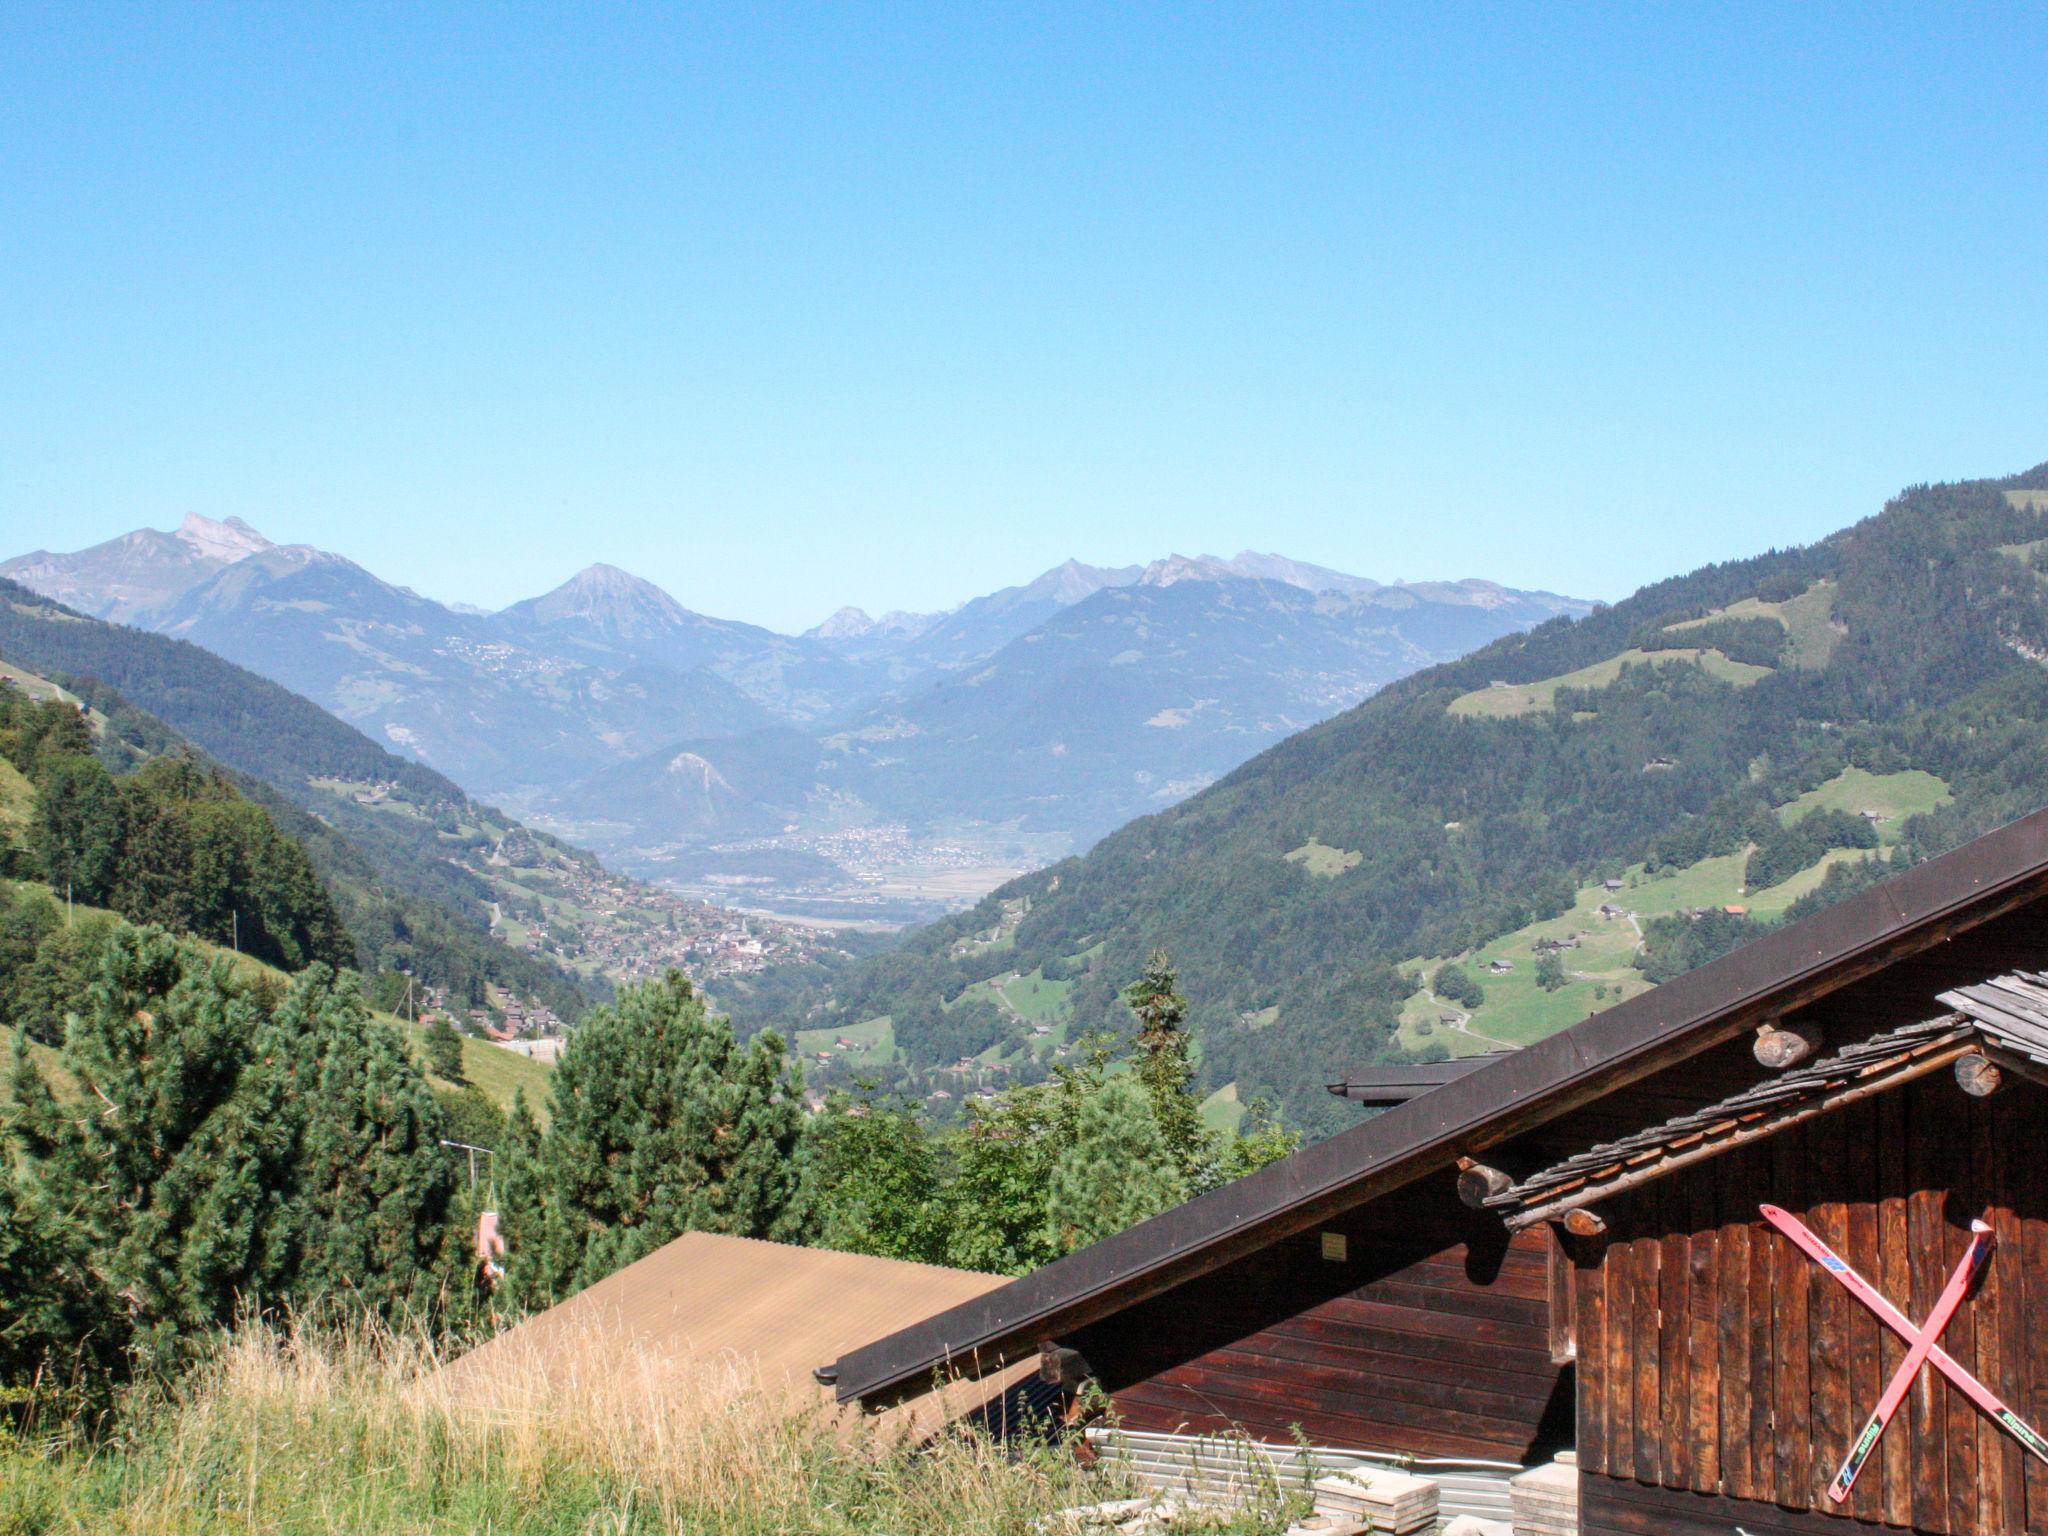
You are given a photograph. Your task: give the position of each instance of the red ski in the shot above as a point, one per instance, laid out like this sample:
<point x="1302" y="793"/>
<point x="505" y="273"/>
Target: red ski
<point x="1897" y="1321"/>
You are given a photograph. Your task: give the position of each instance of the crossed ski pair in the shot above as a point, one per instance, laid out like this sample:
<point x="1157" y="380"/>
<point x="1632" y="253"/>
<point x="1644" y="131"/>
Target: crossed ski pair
<point x="1921" y="1349"/>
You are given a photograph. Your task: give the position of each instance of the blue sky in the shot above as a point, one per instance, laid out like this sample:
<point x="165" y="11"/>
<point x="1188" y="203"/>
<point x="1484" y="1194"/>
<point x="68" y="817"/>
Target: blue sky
<point x="785" y="308"/>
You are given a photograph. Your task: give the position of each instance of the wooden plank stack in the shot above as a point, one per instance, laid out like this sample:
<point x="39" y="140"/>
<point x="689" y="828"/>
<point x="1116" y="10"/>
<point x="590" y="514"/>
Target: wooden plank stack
<point x="1389" y="1501"/>
<point x="1546" y="1499"/>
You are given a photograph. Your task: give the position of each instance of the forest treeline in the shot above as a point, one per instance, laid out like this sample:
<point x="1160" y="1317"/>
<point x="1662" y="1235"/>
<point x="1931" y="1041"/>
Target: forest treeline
<point x="171" y="843"/>
<point x="205" y="1143"/>
<point x="405" y="902"/>
<point x="1458" y="828"/>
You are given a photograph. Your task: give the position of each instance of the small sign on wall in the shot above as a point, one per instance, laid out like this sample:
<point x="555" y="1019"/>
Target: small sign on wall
<point x="1336" y="1247"/>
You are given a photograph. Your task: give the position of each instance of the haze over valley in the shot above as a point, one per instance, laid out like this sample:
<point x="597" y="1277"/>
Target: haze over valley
<point x="866" y="770"/>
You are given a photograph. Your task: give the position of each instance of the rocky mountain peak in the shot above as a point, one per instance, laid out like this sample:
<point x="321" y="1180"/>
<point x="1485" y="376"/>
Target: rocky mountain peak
<point x="226" y="540"/>
<point x="849" y="623"/>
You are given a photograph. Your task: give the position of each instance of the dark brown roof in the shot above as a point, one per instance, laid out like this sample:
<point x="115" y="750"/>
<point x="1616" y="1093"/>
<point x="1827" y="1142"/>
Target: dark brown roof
<point x="1399" y="1084"/>
<point x="2007" y="1015"/>
<point x="1783" y="970"/>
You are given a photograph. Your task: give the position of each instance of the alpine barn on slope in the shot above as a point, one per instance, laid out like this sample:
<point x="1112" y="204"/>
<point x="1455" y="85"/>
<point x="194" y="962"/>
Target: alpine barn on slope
<point x="1567" y="1251"/>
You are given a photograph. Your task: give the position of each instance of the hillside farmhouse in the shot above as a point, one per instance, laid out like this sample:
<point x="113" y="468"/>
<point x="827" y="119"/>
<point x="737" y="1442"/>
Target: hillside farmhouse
<point x="1565" y="1249"/>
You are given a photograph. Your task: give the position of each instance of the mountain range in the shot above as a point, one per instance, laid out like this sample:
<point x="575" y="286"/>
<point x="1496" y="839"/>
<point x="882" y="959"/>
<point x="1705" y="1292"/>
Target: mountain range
<point x="1491" y="848"/>
<point x="1014" y="728"/>
<point x="428" y="880"/>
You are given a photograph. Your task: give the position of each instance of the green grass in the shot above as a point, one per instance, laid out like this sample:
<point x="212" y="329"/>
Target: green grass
<point x="1037" y="1000"/>
<point x="1894" y="796"/>
<point x="1517" y="1010"/>
<point x="1320" y="859"/>
<point x="2030" y="501"/>
<point x="312" y="1437"/>
<point x="1222" y="1112"/>
<point x="878" y="1035"/>
<point x="1806" y="620"/>
<point x="17" y="803"/>
<point x="1532" y="698"/>
<point x="498" y="1072"/>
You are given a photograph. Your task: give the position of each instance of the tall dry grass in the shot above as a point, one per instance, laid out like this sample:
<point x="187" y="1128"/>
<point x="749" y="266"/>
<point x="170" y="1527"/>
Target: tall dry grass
<point x="363" y="1430"/>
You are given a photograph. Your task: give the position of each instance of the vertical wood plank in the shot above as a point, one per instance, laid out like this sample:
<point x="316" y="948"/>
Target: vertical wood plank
<point x="1618" y="1286"/>
<point x="1827" y="1317"/>
<point x="1649" y="1411"/>
<point x="1674" y="1290"/>
<point x="1562" y="1296"/>
<point x="1737" y="1465"/>
<point x="1866" y="1502"/>
<point x="1980" y="1200"/>
<point x="1765" y="1246"/>
<point x="1960" y="1339"/>
<point x="1586" y="1266"/>
<point x="1894" y="1278"/>
<point x="1925" y="1249"/>
<point x="2008" y="1145"/>
<point x="1790" y="1347"/>
<point x="2030" y="1186"/>
<point x="1703" y="1329"/>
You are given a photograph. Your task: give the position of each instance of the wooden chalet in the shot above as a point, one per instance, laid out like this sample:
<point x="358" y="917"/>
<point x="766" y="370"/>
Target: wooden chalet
<point x="1563" y="1249"/>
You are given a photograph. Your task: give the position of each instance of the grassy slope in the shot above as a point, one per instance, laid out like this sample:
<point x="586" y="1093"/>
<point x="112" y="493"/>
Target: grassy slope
<point x="498" y="1072"/>
<point x="874" y="1041"/>
<point x="1507" y="701"/>
<point x="1517" y="1010"/>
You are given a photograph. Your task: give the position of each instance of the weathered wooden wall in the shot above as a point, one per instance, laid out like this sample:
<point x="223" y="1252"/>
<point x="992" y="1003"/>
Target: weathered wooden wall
<point x="1431" y="1338"/>
<point x="1716" y="1358"/>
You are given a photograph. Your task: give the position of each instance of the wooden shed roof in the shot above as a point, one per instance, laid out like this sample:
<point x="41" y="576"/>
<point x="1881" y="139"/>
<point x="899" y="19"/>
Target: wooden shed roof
<point x="706" y="1300"/>
<point x="1785" y="969"/>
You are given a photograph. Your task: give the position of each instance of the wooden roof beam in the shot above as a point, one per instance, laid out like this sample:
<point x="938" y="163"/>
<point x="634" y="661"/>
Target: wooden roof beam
<point x="1636" y="1174"/>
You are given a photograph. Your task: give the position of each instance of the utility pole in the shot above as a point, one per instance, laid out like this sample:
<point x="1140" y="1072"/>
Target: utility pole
<point x="235" y="929"/>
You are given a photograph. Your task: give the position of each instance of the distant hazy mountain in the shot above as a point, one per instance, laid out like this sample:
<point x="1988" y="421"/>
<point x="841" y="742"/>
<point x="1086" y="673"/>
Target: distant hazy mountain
<point x="1145" y="690"/>
<point x="140" y="570"/>
<point x="448" y="688"/>
<point x="612" y="617"/>
<point x="1059" y="707"/>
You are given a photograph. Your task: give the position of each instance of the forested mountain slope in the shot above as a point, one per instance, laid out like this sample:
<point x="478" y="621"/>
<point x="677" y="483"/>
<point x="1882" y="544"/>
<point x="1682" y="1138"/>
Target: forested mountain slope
<point x="404" y="853"/>
<point x="1725" y="725"/>
<point x="108" y="810"/>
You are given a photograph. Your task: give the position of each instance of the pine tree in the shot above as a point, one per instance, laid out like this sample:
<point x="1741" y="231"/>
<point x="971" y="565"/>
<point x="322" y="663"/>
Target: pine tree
<point x="660" y="1123"/>
<point x="176" y="1183"/>
<point x="49" y="1311"/>
<point x="1116" y="1170"/>
<point x="1167" y="1071"/>
<point x="374" y="1190"/>
<point x="444" y="1051"/>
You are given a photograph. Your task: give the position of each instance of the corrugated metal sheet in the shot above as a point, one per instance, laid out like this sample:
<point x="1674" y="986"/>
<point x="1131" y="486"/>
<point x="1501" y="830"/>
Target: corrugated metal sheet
<point x="711" y="1300"/>
<point x="1217" y="1470"/>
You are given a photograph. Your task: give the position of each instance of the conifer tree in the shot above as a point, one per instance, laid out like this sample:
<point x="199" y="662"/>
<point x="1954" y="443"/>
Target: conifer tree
<point x="176" y="1184"/>
<point x="1116" y="1170"/>
<point x="374" y="1190"/>
<point x="48" y="1311"/>
<point x="1167" y="1071"/>
<point x="444" y="1051"/>
<point x="660" y="1123"/>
